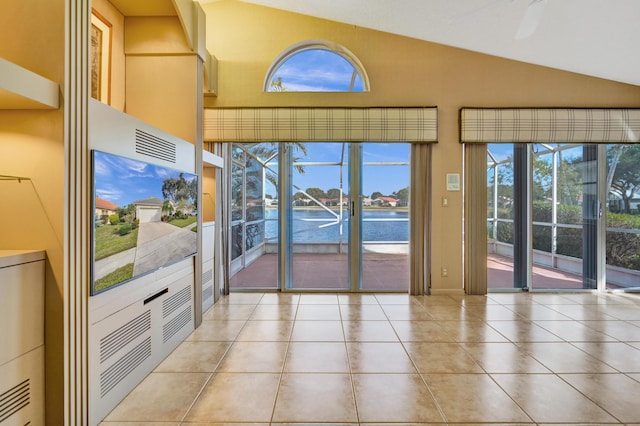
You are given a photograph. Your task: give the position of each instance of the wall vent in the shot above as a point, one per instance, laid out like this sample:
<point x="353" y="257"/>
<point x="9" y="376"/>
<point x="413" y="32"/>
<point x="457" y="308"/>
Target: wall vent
<point x="172" y="327"/>
<point x="14" y="399"/>
<point x="207" y="276"/>
<point x="113" y="375"/>
<point x="121" y="337"/>
<point x="207" y="293"/>
<point x="174" y="302"/>
<point x="153" y="146"/>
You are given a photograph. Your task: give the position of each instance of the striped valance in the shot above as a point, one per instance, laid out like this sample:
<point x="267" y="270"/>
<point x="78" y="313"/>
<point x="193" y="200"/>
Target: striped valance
<point x="550" y="125"/>
<point x="321" y="124"/>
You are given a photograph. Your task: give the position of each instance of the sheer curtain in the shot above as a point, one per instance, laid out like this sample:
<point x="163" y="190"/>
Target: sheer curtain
<point x="420" y="219"/>
<point x="475" y="219"/>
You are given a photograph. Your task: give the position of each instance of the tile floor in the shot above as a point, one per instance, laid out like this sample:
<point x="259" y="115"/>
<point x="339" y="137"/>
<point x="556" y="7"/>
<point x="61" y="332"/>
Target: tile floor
<point x="503" y="359"/>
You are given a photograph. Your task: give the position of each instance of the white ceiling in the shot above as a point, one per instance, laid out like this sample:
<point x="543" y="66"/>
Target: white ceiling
<point x="594" y="37"/>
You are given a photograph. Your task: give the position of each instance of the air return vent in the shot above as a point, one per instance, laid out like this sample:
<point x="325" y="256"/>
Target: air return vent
<point x="113" y="375"/>
<point x="153" y="146"/>
<point x="207" y="276"/>
<point x="207" y="293"/>
<point x="172" y="327"/>
<point x="121" y="337"/>
<point x="14" y="399"/>
<point x="174" y="302"/>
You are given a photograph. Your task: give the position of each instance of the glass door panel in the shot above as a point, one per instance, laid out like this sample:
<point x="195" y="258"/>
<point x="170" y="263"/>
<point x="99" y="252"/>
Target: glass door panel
<point x="623" y="216"/>
<point x="254" y="249"/>
<point x="320" y="216"/>
<point x="500" y="199"/>
<point x="385" y="216"/>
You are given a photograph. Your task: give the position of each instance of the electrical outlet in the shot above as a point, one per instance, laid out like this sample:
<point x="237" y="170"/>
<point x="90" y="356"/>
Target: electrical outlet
<point x="445" y="272"/>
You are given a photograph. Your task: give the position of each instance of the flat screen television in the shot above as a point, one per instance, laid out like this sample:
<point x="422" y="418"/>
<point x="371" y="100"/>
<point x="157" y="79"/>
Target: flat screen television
<point x="145" y="217"/>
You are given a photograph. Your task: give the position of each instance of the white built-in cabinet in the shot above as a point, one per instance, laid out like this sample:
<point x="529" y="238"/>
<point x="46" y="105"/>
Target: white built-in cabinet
<point x="22" y="337"/>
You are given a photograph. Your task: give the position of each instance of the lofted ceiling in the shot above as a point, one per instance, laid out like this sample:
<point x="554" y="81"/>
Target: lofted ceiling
<point x="600" y="38"/>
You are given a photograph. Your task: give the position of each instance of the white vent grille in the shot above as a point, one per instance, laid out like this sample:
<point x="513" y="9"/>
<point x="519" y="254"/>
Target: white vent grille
<point x="121" y="337"/>
<point x="153" y="146"/>
<point x="174" y="302"/>
<point x="207" y="293"/>
<point x="110" y="377"/>
<point x="207" y="276"/>
<point x="15" y="399"/>
<point x="172" y="327"/>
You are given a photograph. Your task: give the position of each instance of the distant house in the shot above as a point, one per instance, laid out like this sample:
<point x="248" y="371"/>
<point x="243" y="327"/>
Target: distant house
<point x="104" y="209"/>
<point x="385" y="202"/>
<point x="149" y="209"/>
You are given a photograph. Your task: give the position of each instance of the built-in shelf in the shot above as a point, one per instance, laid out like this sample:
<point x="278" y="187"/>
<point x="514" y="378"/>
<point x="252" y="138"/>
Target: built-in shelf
<point x="212" y="160"/>
<point x="24" y="89"/>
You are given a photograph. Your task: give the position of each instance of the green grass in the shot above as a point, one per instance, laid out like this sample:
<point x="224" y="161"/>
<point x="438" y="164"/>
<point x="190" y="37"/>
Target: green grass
<point x="121" y="274"/>
<point x="108" y="241"/>
<point x="184" y="222"/>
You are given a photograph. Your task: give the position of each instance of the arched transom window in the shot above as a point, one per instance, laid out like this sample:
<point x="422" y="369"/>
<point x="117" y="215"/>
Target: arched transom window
<point x="316" y="66"/>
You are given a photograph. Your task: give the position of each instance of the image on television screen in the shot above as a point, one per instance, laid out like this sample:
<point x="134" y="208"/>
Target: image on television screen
<point x="145" y="217"/>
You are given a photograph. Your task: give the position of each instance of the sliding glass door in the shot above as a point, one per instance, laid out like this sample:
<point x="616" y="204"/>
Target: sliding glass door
<point x="331" y="216"/>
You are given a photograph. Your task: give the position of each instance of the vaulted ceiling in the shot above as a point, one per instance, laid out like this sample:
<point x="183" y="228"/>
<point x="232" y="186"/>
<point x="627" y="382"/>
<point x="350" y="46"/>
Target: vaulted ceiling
<point x="600" y="38"/>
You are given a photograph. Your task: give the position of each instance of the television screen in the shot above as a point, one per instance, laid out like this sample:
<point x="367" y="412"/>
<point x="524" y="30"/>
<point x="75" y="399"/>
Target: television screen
<point x="145" y="218"/>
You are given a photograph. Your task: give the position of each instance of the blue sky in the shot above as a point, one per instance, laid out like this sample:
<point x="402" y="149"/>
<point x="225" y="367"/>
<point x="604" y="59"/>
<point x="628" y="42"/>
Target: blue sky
<point x="317" y="71"/>
<point x="123" y="181"/>
<point x="384" y="179"/>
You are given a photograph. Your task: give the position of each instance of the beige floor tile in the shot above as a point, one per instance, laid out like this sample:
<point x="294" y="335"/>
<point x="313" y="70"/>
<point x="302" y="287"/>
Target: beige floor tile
<point x="410" y="400"/>
<point x="441" y="358"/>
<point x="492" y="312"/>
<point x="242" y="299"/>
<point x="150" y="401"/>
<point x="318" y="299"/>
<point x="406" y="312"/>
<point x="582" y="312"/>
<point x="317" y="357"/>
<point x="266" y="331"/>
<point x="503" y="358"/>
<point x="317" y="331"/>
<point x="309" y="398"/>
<point x="547" y="398"/>
<point x="565" y="358"/>
<point x="369" y="331"/>
<point x="229" y="312"/>
<point x="280" y="299"/>
<point x="621" y="356"/>
<point x="254" y="357"/>
<point x="538" y="313"/>
<point x="362" y="312"/>
<point x="471" y="331"/>
<point x="523" y="331"/>
<point x="376" y="357"/>
<point x="450" y="312"/>
<point x="574" y="331"/>
<point x="357" y="299"/>
<point x="616" y="393"/>
<point x="421" y="331"/>
<point x="483" y="400"/>
<point x="140" y="424"/>
<point x="318" y="313"/>
<point x="397" y="299"/>
<point x="236" y="397"/>
<point x="274" y="312"/>
<point x="620" y="330"/>
<point x="623" y="312"/>
<point x="194" y="357"/>
<point x="217" y="331"/>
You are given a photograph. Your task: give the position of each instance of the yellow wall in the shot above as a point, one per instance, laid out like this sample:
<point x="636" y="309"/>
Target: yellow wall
<point x="402" y="72"/>
<point x="31" y="144"/>
<point x="161" y="72"/>
<point x="208" y="208"/>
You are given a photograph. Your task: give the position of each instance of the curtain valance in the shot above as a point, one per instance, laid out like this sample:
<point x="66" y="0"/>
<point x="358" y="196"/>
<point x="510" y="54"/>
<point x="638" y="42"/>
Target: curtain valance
<point x="549" y="125"/>
<point x="414" y="124"/>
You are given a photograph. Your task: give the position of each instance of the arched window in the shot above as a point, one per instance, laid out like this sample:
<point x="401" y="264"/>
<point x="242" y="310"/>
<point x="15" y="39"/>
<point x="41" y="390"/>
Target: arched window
<point x="316" y="66"/>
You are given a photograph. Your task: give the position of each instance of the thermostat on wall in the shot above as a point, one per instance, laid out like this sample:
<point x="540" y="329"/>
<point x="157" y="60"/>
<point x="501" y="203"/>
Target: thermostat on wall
<point x="453" y="181"/>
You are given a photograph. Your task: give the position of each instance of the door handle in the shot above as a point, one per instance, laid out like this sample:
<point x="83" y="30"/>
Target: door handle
<point x="353" y="209"/>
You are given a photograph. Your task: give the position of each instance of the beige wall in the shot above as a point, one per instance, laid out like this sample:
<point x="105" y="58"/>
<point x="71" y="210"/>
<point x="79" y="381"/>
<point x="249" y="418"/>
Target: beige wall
<point x="31" y="143"/>
<point x="402" y="72"/>
<point x="208" y="208"/>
